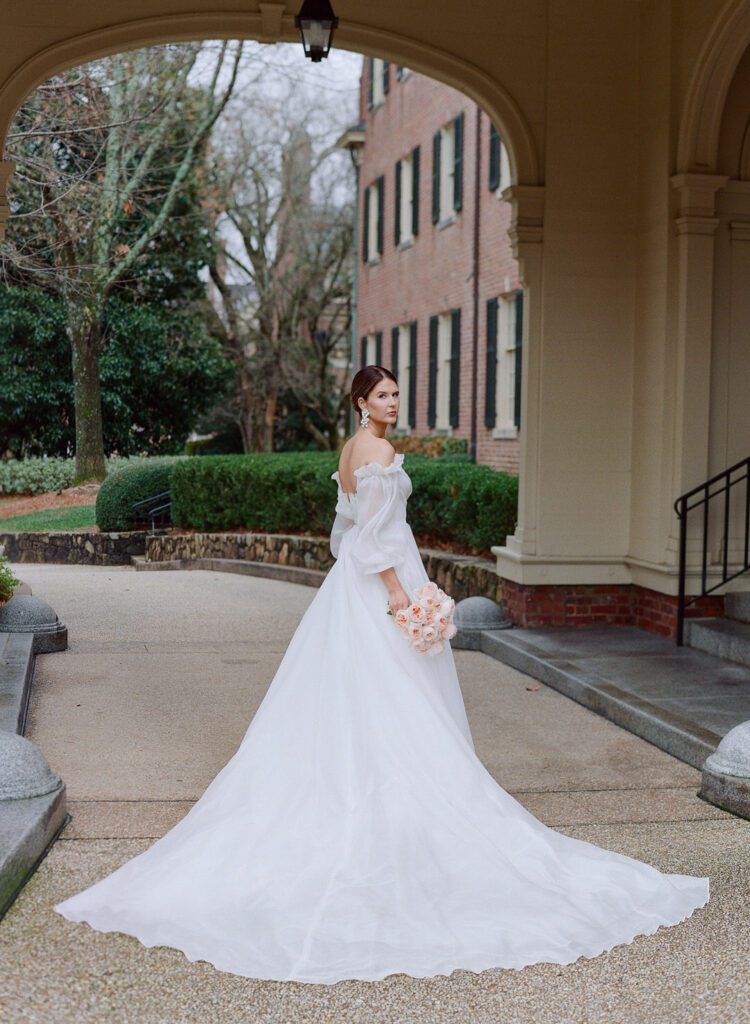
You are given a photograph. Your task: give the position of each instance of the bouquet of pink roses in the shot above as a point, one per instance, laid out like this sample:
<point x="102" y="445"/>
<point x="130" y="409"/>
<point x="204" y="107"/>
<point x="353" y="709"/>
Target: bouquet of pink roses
<point x="428" y="621"/>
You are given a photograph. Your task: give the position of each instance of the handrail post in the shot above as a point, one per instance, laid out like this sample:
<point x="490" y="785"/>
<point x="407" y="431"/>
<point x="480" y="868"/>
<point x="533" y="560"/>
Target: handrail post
<point x="682" y="573"/>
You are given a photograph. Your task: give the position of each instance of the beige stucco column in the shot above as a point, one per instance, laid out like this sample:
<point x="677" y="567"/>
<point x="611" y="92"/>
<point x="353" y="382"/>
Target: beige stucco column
<point x="526" y="235"/>
<point x="695" y="225"/>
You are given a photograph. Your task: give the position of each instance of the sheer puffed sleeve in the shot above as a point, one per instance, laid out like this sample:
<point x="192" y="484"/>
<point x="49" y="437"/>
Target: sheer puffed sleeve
<point x="343" y="521"/>
<point x="380" y="541"/>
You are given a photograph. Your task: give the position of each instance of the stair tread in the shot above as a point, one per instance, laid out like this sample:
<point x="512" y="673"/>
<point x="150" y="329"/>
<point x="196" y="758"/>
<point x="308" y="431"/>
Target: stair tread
<point x="719" y="624"/>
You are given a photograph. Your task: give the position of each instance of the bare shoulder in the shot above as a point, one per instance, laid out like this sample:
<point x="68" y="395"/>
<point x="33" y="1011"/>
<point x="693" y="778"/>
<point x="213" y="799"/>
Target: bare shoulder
<point x="374" y="449"/>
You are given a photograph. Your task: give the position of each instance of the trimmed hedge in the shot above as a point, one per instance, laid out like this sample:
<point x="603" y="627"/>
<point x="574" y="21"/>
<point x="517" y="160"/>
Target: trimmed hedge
<point x="39" y="475"/>
<point x="123" y="487"/>
<point x="451" y="498"/>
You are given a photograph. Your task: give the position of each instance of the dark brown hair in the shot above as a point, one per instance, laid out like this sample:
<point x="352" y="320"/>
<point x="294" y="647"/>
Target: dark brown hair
<point x="365" y="380"/>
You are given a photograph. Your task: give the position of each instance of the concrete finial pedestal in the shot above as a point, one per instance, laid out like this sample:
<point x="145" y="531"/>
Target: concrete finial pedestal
<point x="32" y="812"/>
<point x="474" y="616"/>
<point x="27" y="614"/>
<point x="725" y="780"/>
<point x="24" y="771"/>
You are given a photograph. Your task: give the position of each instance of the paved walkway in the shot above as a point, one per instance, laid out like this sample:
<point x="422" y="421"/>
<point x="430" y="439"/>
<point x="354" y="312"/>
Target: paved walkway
<point x="162" y="677"/>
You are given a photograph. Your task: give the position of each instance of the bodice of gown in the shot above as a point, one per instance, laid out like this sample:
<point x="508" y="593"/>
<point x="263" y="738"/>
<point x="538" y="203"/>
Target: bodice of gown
<point x="371" y="523"/>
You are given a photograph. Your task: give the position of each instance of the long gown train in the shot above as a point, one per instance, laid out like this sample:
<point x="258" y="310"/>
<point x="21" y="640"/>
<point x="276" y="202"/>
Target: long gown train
<point x="355" y="833"/>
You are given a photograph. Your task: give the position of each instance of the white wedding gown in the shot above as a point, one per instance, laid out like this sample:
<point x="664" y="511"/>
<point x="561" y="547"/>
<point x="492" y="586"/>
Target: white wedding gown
<point x="355" y="833"/>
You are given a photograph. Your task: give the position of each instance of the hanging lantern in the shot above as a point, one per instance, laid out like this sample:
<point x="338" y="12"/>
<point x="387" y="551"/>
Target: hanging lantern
<point x="316" y="22"/>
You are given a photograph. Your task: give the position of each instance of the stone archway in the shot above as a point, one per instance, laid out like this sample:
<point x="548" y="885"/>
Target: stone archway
<point x="273" y="24"/>
<point x="700" y="123"/>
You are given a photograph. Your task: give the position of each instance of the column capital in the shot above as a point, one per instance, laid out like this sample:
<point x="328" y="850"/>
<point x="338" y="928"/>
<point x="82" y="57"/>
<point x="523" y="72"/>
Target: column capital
<point x="697" y="192"/>
<point x="527" y="215"/>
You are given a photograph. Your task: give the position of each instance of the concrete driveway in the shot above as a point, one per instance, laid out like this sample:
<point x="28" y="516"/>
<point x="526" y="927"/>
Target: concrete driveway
<point x="163" y="674"/>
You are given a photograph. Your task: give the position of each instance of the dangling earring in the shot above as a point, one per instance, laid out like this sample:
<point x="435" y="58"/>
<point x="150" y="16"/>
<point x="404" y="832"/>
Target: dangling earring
<point x="365" y="417"/>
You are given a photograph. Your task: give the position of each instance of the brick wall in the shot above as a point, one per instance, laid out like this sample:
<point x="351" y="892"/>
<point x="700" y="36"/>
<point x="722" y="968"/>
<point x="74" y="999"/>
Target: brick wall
<point x="434" y="274"/>
<point x="623" y="604"/>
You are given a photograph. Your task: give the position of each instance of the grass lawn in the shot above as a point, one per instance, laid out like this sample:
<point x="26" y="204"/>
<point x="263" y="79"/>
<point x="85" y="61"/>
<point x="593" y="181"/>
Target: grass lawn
<point x="69" y="518"/>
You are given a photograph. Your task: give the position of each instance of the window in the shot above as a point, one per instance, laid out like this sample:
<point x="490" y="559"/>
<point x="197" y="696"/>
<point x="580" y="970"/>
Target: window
<point x="372" y="220"/>
<point x="403" y="364"/>
<point x="402" y="72"/>
<point x="378" y="81"/>
<point x="444" y="369"/>
<point x="407" y="197"/>
<point x="447" y="169"/>
<point x="499" y="169"/>
<point x="371" y="349"/>
<point x="503" y="376"/>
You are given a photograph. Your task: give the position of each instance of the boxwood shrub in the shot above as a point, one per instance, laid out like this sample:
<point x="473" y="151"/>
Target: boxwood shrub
<point x="452" y="498"/>
<point x="122" y="487"/>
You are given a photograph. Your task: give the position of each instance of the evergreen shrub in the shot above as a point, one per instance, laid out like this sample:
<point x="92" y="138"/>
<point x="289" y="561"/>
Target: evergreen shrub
<point x="452" y="498"/>
<point x="124" y="486"/>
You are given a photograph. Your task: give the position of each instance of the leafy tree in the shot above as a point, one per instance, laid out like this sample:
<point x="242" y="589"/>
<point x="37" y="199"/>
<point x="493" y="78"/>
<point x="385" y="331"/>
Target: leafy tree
<point x="160" y="372"/>
<point x="104" y="158"/>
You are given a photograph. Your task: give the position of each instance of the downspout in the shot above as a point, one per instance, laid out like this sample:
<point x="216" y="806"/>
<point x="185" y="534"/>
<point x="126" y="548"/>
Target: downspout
<point x="355" y="276"/>
<point x="475" y="295"/>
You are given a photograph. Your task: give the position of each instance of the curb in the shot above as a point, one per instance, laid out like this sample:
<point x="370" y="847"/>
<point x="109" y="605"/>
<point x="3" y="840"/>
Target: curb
<point x="29" y="825"/>
<point x="243" y="567"/>
<point x="670" y="732"/>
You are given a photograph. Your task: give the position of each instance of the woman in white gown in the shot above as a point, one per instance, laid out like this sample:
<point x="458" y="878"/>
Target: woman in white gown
<point x="355" y="833"/>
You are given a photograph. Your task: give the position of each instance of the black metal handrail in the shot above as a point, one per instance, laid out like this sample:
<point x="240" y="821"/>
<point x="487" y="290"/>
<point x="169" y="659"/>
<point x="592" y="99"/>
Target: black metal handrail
<point x="154" y="508"/>
<point x="722" y="483"/>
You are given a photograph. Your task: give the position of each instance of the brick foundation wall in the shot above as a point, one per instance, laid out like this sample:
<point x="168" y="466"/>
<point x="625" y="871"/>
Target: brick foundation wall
<point x="623" y="604"/>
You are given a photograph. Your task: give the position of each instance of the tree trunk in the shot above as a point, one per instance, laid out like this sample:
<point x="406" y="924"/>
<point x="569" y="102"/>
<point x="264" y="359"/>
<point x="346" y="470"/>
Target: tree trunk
<point x="84" y="331"/>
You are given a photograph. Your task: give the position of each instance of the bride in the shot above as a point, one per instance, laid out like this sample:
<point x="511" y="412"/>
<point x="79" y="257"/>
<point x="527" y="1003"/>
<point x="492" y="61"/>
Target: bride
<point x="355" y="833"/>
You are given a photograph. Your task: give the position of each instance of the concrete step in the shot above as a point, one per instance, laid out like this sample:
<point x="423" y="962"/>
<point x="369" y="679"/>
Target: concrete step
<point x="725" y="638"/>
<point x="737" y="606"/>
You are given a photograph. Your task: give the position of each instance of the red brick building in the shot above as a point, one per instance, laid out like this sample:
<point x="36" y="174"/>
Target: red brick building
<point x="438" y="298"/>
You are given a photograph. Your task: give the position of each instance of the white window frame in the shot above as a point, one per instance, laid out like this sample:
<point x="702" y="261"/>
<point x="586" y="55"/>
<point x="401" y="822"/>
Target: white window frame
<point x="371" y="348"/>
<point x="372" y="224"/>
<point x="378" y="93"/>
<point x="407" y="198"/>
<point x="443" y="381"/>
<point x="403" y="374"/>
<point x="447" y="170"/>
<point x="504" y="171"/>
<point x="505" y="375"/>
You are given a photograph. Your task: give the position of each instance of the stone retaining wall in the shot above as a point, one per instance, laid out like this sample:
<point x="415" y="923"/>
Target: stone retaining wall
<point x="459" y="575"/>
<point x="74" y="548"/>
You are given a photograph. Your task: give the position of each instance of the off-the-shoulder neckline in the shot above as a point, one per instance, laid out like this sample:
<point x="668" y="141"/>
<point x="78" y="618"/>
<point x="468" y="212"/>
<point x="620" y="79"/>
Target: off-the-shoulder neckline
<point x="372" y="467"/>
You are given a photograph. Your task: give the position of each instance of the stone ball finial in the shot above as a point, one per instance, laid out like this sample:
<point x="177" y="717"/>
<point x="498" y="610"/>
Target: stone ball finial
<point x="473" y="616"/>
<point x="24" y="772"/>
<point x="732" y="756"/>
<point x="25" y="613"/>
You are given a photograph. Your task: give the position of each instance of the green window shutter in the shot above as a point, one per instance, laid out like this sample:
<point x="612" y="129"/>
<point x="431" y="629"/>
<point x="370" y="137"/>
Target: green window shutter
<point x="413" y="373"/>
<point x="386" y="76"/>
<point x="432" y="373"/>
<point x="363" y="352"/>
<point x="494" y="177"/>
<point x="370" y="76"/>
<point x="490" y="409"/>
<point x="366" y="225"/>
<point x="381" y="191"/>
<point x="436" y="177"/>
<point x="415" y="192"/>
<point x="517" y="361"/>
<point x="379" y="348"/>
<point x="398" y="202"/>
<point x="458" y="150"/>
<point x="399" y="71"/>
<point x="394" y="351"/>
<point x="455" y="367"/>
